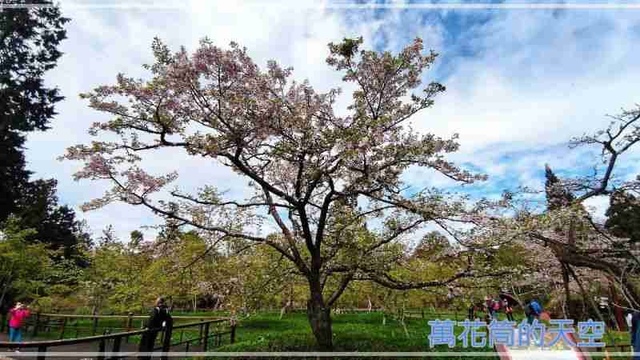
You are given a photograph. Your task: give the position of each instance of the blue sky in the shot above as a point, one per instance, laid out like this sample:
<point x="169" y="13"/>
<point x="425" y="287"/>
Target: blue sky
<point x="520" y="82"/>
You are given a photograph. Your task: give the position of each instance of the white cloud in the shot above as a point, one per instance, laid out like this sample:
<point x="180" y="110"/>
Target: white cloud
<point x="103" y="42"/>
<point x="597" y="206"/>
<point x="535" y="79"/>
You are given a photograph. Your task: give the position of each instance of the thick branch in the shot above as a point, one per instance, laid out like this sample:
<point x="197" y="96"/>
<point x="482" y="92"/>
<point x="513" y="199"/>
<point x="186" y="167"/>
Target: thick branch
<point x="286" y="232"/>
<point x="226" y="203"/>
<point x="341" y="287"/>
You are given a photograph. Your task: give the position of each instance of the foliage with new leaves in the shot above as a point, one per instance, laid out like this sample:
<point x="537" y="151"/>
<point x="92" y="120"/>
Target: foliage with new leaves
<point x="24" y="267"/>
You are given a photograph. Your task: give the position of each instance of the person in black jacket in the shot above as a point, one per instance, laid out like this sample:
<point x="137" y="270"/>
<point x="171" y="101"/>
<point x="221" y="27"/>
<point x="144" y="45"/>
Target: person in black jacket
<point x="635" y="335"/>
<point x="158" y="319"/>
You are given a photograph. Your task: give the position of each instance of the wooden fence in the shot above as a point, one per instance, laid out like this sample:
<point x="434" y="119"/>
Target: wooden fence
<point x="44" y="324"/>
<point x="171" y="337"/>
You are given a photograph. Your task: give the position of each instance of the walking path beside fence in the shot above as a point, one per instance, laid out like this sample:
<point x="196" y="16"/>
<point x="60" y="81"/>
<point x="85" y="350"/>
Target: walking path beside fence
<point x="198" y="336"/>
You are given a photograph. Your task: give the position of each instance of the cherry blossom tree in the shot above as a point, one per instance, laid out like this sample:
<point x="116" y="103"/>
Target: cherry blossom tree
<point x="577" y="240"/>
<point x="331" y="184"/>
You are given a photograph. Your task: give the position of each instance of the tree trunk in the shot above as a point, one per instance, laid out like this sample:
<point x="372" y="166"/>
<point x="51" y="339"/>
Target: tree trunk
<point x="630" y="288"/>
<point x="585" y="295"/>
<point x="4" y="293"/>
<point x="617" y="311"/>
<point x="319" y="317"/>
<point x="566" y="308"/>
<point x="516" y="297"/>
<point x="570" y="257"/>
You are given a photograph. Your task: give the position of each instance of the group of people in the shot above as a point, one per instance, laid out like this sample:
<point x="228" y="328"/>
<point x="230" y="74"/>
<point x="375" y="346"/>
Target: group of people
<point x="158" y="319"/>
<point x="492" y="306"/>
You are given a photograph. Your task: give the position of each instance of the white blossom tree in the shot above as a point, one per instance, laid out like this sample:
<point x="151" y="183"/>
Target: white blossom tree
<point x="322" y="178"/>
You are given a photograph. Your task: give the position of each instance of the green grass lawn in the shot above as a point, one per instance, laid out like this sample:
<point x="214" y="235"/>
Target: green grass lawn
<point x="363" y="332"/>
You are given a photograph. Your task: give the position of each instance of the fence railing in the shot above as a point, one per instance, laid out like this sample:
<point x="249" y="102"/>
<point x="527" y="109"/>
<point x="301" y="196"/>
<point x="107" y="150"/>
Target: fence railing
<point x="615" y="348"/>
<point x="66" y="325"/>
<point x="112" y="345"/>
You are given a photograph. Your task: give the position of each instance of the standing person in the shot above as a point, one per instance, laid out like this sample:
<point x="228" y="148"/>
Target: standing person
<point x="605" y="310"/>
<point x="496" y="308"/>
<point x="158" y="319"/>
<point x="472" y="309"/>
<point x="488" y="305"/>
<point x="635" y="335"/>
<point x="508" y="309"/>
<point x="534" y="311"/>
<point x="17" y="316"/>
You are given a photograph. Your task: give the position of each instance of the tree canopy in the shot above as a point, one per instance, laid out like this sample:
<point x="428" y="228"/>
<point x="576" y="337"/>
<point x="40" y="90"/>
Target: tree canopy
<point x="29" y="43"/>
<point x="28" y="49"/>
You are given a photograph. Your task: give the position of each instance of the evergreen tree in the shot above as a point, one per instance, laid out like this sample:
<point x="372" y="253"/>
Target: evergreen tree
<point x="623" y="216"/>
<point x="55" y="225"/>
<point x="29" y="40"/>
<point x="13" y="175"/>
<point x="557" y="196"/>
<point x="28" y="48"/>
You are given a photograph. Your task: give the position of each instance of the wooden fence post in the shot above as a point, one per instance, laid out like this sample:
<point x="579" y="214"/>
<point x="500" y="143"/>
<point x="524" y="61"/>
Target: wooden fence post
<point x="64" y="324"/>
<point x="233" y="332"/>
<point x="201" y="330"/>
<point x="129" y="325"/>
<point x="95" y="325"/>
<point x="206" y="337"/>
<point x="116" y="348"/>
<point x="42" y="350"/>
<point x="35" y="326"/>
<point x="101" y="349"/>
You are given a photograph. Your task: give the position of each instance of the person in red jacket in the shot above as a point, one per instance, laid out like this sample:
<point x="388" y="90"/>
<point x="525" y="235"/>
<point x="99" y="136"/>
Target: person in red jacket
<point x="17" y="317"/>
